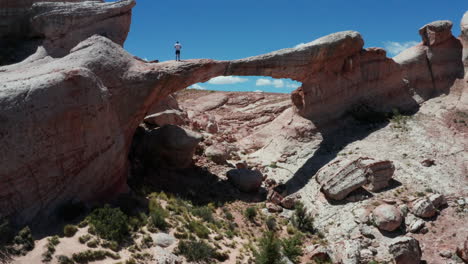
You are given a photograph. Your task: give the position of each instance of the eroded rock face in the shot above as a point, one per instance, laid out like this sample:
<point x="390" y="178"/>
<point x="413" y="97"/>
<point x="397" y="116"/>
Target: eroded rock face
<point x="68" y="120"/>
<point x="59" y="25"/>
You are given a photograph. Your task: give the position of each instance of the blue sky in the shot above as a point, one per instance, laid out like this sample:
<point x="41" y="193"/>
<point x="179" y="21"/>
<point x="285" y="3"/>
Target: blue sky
<point x="228" y="29"/>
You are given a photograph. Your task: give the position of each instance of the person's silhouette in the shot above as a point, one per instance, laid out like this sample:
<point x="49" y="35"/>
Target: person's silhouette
<point x="177" y="47"/>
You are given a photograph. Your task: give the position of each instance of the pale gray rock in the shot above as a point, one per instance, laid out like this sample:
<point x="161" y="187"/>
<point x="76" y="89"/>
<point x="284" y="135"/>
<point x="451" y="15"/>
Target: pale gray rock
<point x="245" y="180"/>
<point x="347" y="252"/>
<point x="163" y="240"/>
<point x="416" y="225"/>
<point x="163" y="256"/>
<point x="405" y="250"/>
<point x="217" y="153"/>
<point x="387" y="217"/>
<point x="338" y="179"/>
<point x="423" y="208"/>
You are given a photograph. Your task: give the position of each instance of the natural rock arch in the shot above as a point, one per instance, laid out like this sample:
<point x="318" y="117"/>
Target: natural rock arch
<point x="67" y="123"/>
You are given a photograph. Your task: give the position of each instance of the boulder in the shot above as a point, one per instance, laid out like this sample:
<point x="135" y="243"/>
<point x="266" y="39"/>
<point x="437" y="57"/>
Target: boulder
<point x="245" y="180"/>
<point x="273" y="208"/>
<point x="217" y="153"/>
<point x="379" y="174"/>
<point x="438" y="200"/>
<point x="416" y="225"/>
<point x="340" y="178"/>
<point x="337" y="185"/>
<point x="163" y="240"/>
<point x="387" y="217"/>
<point x="212" y="127"/>
<point x="405" y="250"/>
<point x="289" y="202"/>
<point x="168" y="117"/>
<point x="423" y="208"/>
<point x="170" y="147"/>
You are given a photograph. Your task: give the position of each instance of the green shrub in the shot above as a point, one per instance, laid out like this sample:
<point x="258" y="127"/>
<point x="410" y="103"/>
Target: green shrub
<point x="70" y="230"/>
<point x="52" y="242"/>
<point x="302" y="219"/>
<point x="204" y="212"/>
<point x="109" y="223"/>
<point x="93" y="255"/>
<point x="158" y="218"/>
<point x="84" y="238"/>
<point x="64" y="260"/>
<point x="268" y="250"/>
<point x="93" y="243"/>
<point x="146" y="241"/>
<point x="271" y="223"/>
<point x="196" y="251"/>
<point x="292" y="247"/>
<point x="250" y="213"/>
<point x="112" y="245"/>
<point x="25" y="239"/>
<point x="199" y="229"/>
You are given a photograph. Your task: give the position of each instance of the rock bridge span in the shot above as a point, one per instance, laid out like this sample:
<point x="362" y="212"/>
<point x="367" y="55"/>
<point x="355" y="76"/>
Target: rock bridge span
<point x="67" y="121"/>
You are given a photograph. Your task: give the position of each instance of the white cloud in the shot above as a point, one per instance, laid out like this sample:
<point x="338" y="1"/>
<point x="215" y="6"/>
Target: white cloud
<point x="227" y="80"/>
<point x="394" y="48"/>
<point x="293" y="85"/>
<point x="197" y="87"/>
<point x="258" y="91"/>
<point x="263" y="82"/>
<point x="268" y="82"/>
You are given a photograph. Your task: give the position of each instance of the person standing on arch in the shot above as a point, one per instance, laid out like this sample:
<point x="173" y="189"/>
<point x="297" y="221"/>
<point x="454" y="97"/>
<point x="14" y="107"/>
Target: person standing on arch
<point x="177" y="47"/>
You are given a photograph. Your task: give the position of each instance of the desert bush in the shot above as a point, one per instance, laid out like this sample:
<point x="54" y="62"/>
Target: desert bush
<point x="250" y="213"/>
<point x="196" y="251"/>
<point x="269" y="249"/>
<point x="112" y="245"/>
<point x="199" y="229"/>
<point x="158" y="217"/>
<point x="292" y="247"/>
<point x="70" y="230"/>
<point x="84" y="238"/>
<point x="302" y="219"/>
<point x="52" y="242"/>
<point x="271" y="223"/>
<point x="25" y="239"/>
<point x="204" y="212"/>
<point x="109" y="223"/>
<point x="93" y="243"/>
<point x="93" y="255"/>
<point x="61" y="259"/>
<point x="147" y="241"/>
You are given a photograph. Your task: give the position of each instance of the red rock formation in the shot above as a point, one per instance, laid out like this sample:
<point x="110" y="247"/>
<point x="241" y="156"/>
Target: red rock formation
<point x="67" y="123"/>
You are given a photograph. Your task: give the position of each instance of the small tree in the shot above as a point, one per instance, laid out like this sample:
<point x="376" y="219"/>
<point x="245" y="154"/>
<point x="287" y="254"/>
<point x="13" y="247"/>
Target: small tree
<point x="292" y="247"/>
<point x="250" y="213"/>
<point x="109" y="223"/>
<point x="269" y="250"/>
<point x="302" y="219"/>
